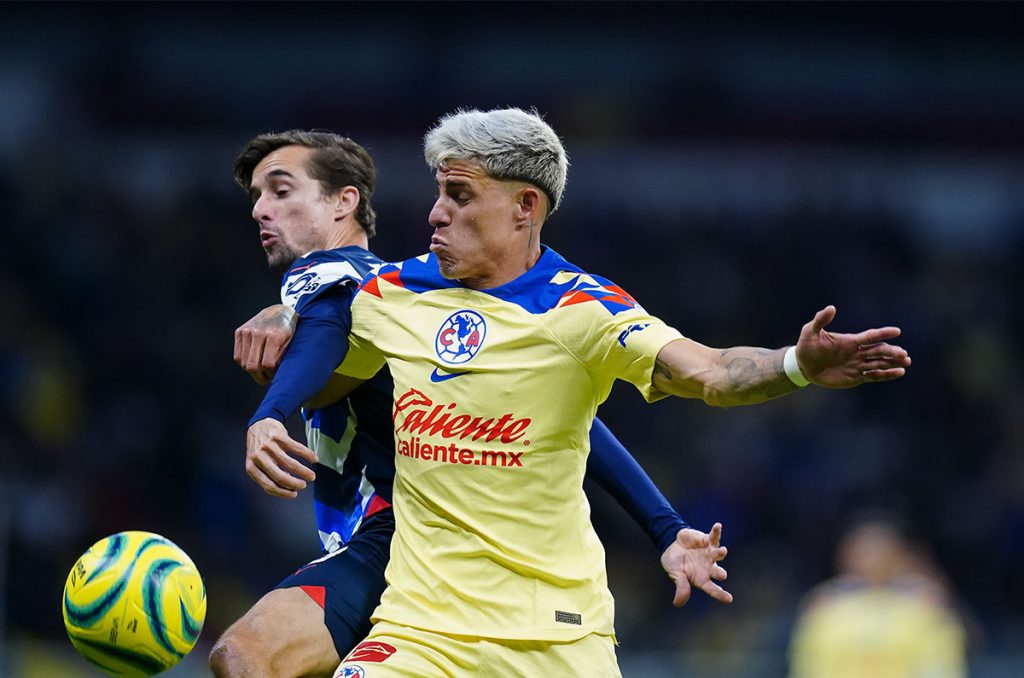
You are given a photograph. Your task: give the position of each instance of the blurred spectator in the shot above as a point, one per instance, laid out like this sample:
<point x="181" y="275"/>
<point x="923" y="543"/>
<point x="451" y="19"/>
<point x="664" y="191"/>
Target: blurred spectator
<point x="887" y="614"/>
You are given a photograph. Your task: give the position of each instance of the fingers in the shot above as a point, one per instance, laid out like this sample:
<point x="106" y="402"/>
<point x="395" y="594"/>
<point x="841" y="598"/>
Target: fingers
<point x="877" y="335"/>
<point x="266" y="484"/>
<point x="242" y="341"/>
<point x="683" y="591"/>
<point x="269" y="459"/>
<point x="246" y="346"/>
<point x="716" y="592"/>
<point x="718" y="573"/>
<point x="716" y="535"/>
<point x="692" y="561"/>
<point x="282" y="478"/>
<point x="876" y="350"/>
<point x="254" y="360"/>
<point x="300" y="450"/>
<point x="273" y="351"/>
<point x="822" y="318"/>
<point x="891" y="355"/>
<point x="881" y="362"/>
<point x="262" y="340"/>
<point x="294" y="468"/>
<point x="884" y="375"/>
<point x="283" y="472"/>
<point x="693" y="539"/>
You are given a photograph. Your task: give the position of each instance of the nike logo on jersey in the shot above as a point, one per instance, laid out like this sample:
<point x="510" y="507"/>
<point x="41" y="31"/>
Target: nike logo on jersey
<point x="436" y="376"/>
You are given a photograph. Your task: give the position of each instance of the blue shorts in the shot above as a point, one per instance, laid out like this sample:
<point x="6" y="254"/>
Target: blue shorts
<point x="348" y="583"/>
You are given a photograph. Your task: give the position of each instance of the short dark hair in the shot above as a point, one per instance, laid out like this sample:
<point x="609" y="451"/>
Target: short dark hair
<point x="336" y="162"/>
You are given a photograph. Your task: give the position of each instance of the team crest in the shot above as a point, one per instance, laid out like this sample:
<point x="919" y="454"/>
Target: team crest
<point x="460" y="337"/>
<point x="352" y="672"/>
<point x="304" y="284"/>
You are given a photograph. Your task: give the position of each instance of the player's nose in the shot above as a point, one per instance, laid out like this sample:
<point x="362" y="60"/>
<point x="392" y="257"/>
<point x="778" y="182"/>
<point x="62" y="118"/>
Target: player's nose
<point x="261" y="210"/>
<point x="438" y="216"/>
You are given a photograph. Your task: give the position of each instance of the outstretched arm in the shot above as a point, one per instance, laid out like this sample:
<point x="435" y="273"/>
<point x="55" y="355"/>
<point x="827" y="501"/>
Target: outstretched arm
<point x="746" y="375"/>
<point x="688" y="555"/>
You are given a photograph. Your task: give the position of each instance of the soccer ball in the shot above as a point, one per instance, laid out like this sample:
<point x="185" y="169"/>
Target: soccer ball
<point x="134" y="604"/>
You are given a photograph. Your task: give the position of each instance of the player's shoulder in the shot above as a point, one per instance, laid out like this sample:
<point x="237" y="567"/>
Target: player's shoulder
<point x="417" y="275"/>
<point x="321" y="269"/>
<point x="555" y="283"/>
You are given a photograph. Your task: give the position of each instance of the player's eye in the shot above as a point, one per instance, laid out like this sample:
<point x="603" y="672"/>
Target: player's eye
<point x="459" y="196"/>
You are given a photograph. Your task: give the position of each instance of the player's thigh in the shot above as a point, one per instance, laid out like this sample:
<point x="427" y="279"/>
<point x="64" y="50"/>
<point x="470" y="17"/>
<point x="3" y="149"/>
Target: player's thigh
<point x="394" y="651"/>
<point x="589" y="657"/>
<point x="347" y="584"/>
<point x="285" y="630"/>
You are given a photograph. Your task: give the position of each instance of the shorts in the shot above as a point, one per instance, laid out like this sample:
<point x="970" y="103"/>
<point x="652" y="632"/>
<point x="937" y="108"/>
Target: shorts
<point x="348" y="583"/>
<point x="393" y="651"/>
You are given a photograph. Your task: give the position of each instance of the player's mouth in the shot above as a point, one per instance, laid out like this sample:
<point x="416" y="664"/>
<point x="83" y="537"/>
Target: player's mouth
<point x="267" y="239"/>
<point x="436" y="244"/>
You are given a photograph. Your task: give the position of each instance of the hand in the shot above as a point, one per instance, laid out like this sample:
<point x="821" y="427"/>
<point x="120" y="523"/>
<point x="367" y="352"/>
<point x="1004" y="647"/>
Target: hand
<point x="845" y="360"/>
<point x="269" y="462"/>
<point x="693" y="559"/>
<point x="261" y="341"/>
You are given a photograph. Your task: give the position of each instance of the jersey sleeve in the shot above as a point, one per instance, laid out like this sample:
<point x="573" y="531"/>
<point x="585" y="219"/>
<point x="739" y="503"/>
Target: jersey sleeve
<point x="610" y="333"/>
<point x="310" y="277"/>
<point x="369" y="311"/>
<point x="319" y="345"/>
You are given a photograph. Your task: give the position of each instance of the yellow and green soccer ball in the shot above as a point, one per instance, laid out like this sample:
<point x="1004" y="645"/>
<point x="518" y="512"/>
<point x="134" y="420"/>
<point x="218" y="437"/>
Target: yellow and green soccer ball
<point x="134" y="604"/>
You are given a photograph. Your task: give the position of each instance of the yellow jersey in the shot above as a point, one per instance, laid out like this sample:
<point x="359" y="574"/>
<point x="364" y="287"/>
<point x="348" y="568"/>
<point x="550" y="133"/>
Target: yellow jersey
<point x="852" y="630"/>
<point x="495" y="391"/>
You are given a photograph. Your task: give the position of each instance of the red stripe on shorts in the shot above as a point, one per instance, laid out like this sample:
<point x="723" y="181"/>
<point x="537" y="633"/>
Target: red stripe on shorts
<point x="317" y="593"/>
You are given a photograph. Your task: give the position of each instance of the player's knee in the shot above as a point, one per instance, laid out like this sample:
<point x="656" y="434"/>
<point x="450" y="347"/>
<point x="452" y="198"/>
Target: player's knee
<point x="231" y="657"/>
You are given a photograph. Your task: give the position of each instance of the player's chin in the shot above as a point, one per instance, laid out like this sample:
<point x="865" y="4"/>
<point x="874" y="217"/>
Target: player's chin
<point x="448" y="269"/>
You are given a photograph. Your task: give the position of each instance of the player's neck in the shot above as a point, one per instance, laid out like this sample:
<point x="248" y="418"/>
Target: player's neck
<point x="505" y="270"/>
<point x="348" y="234"/>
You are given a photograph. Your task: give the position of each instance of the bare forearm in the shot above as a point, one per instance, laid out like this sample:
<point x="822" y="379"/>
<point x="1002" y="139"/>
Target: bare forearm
<point x="748" y="376"/>
<point x="745" y="375"/>
<point x="742" y="375"/>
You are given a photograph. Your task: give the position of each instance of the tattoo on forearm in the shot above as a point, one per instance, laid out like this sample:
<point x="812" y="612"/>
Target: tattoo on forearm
<point x="276" y="317"/>
<point x="754" y="374"/>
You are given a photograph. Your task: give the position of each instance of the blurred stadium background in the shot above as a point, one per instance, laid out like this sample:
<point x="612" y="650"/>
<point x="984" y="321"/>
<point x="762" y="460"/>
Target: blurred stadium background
<point x="736" y="167"/>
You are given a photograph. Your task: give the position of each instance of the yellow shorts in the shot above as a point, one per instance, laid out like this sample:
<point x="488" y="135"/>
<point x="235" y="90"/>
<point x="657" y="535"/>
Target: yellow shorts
<point x="394" y="651"/>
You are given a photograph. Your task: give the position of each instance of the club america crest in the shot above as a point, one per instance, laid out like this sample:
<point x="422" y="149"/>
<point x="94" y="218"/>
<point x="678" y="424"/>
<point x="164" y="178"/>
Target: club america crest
<point x="460" y="337"/>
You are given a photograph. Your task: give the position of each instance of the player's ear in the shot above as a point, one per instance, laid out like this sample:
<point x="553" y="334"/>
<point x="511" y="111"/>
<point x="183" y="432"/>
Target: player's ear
<point x="531" y="204"/>
<point x="346" y="202"/>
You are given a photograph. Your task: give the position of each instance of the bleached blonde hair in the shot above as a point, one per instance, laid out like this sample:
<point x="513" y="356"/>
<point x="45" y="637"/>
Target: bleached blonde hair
<point x="510" y="143"/>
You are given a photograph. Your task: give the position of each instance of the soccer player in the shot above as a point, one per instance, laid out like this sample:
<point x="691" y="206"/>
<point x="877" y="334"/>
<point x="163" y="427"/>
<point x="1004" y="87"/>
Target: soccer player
<point x="889" y="612"/>
<point x="501" y="352"/>
<point x="312" y="199"/>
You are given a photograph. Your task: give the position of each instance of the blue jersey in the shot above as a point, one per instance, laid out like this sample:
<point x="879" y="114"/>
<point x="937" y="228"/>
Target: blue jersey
<point x="352" y="438"/>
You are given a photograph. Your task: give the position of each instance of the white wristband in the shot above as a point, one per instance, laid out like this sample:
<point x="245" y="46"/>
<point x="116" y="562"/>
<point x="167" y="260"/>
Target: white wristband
<point x="792" y="369"/>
